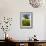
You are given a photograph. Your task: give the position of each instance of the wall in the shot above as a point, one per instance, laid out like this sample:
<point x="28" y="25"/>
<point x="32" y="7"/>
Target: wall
<point x="12" y="8"/>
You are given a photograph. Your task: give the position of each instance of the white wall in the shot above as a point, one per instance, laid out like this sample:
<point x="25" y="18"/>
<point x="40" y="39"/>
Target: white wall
<point x="12" y="8"/>
<point x="45" y="28"/>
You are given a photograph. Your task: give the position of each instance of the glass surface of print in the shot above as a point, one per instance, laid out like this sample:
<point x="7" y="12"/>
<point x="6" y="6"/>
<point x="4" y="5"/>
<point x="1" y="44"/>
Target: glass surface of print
<point x="26" y="19"/>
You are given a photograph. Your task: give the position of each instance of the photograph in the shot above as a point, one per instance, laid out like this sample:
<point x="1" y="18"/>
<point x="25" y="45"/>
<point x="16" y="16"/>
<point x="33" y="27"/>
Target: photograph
<point x="26" y="19"/>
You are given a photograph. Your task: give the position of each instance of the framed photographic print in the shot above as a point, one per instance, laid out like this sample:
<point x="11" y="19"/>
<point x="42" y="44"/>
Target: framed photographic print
<point x="26" y="20"/>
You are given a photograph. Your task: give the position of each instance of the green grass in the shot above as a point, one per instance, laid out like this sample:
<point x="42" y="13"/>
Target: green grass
<point x="25" y="22"/>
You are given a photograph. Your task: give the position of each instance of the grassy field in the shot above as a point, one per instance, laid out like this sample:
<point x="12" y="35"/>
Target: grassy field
<point x="25" y="22"/>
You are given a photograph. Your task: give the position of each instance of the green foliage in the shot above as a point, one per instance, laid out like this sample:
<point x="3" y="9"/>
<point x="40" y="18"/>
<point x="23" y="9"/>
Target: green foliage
<point x="26" y="22"/>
